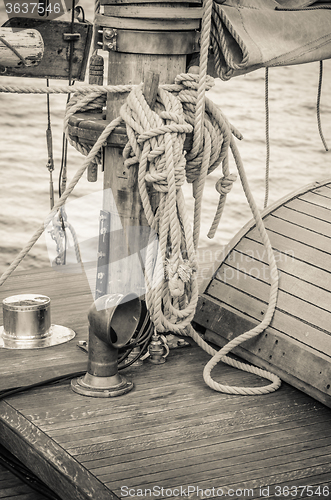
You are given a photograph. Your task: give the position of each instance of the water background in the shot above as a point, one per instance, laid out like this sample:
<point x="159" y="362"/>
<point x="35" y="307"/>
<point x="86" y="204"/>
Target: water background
<point x="297" y="155"/>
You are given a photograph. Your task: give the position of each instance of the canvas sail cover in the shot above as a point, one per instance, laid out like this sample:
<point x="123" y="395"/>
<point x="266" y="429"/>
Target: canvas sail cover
<point x="250" y="34"/>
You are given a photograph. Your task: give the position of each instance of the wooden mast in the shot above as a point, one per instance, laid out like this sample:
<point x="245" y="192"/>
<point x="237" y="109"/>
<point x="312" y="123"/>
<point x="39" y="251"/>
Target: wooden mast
<point x="141" y="38"/>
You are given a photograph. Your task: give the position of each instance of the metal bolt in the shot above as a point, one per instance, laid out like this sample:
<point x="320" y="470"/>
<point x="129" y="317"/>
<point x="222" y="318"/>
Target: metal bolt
<point x="111" y="45"/>
<point x="111" y="35"/>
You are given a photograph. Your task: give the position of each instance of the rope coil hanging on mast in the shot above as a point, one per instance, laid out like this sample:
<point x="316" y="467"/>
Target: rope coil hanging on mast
<point x="156" y="143"/>
<point x="172" y="291"/>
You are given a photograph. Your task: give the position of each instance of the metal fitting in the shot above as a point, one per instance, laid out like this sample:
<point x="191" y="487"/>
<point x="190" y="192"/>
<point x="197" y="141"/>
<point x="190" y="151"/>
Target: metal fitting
<point x="158" y="349"/>
<point x="110" y="39"/>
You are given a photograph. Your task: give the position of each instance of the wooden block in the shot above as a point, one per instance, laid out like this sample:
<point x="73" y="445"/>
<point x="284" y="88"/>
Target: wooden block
<point x="150" y="88"/>
<point x="55" y="61"/>
<point x="20" y="48"/>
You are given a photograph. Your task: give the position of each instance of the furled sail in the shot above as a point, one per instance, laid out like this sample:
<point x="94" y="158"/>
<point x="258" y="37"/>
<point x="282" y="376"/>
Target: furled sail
<point x="250" y="34"/>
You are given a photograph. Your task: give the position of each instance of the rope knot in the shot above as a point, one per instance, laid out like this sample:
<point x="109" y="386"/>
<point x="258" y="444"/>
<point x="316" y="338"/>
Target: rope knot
<point x="156" y="138"/>
<point x="178" y="272"/>
<point x="224" y="184"/>
<point x="191" y="81"/>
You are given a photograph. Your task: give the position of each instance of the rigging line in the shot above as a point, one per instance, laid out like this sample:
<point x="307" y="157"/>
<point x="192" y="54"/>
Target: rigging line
<point x="318" y="106"/>
<point x="63" y="169"/>
<point x="62" y="184"/>
<point x="50" y="165"/>
<point x="50" y="162"/>
<point x="64" y="156"/>
<point x="267" y="138"/>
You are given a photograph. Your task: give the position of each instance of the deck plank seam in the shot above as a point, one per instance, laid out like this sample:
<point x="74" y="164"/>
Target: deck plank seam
<point x="283" y="218"/>
<point x="280" y="288"/>
<point x="297" y="241"/>
<point x="309" y="205"/>
<point x="255" y="320"/>
<point x="285" y="271"/>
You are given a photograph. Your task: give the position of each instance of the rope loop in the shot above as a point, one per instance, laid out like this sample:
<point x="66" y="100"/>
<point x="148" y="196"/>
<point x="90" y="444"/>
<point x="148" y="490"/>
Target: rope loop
<point x="224" y="185"/>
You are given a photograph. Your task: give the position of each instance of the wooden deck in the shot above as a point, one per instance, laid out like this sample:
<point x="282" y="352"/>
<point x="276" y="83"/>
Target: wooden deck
<point x="170" y="432"/>
<point x="297" y="345"/>
<point x="14" y="487"/>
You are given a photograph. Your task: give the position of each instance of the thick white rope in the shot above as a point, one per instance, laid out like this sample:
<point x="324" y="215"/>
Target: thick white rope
<point x="170" y="276"/>
<point x="170" y="310"/>
<point x="157" y="145"/>
<point x="156" y="141"/>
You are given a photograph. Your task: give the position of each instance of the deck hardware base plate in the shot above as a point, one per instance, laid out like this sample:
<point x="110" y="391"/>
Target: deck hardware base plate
<point x="80" y="387"/>
<point x="57" y="335"/>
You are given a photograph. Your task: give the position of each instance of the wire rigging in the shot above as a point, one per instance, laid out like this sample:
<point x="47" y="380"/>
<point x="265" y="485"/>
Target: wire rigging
<point x="318" y="106"/>
<point x="267" y="138"/>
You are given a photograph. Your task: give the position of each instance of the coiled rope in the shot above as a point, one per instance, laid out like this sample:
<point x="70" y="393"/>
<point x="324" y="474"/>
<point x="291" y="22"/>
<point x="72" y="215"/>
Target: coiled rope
<point x="156" y="140"/>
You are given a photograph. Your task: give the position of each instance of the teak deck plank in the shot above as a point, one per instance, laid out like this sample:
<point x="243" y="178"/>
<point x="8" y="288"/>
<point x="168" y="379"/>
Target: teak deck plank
<point x="299" y="229"/>
<point x="316" y="199"/>
<point x="304" y="220"/>
<point x="315" y="294"/>
<point x="228" y="453"/>
<point x="298" y="233"/>
<point x="172" y="430"/>
<point x="316" y="211"/>
<point x="213" y="464"/>
<point x="300" y="250"/>
<point x="312" y="334"/>
<point x="232" y="444"/>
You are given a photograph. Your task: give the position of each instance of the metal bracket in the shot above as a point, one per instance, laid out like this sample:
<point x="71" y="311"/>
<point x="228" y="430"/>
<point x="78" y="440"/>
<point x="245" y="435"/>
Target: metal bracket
<point x="71" y="37"/>
<point x="103" y="254"/>
<point x="110" y="39"/>
<point x="150" y="42"/>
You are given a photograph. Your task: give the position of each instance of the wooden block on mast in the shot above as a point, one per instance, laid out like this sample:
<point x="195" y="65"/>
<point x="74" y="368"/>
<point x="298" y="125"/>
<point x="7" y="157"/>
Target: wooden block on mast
<point x="22" y="48"/>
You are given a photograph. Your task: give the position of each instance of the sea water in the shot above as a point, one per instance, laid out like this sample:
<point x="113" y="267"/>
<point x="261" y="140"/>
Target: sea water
<point x="297" y="157"/>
